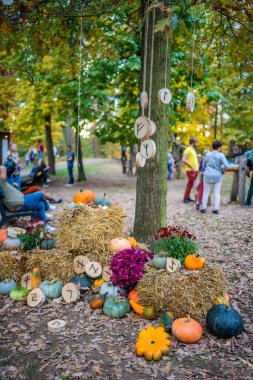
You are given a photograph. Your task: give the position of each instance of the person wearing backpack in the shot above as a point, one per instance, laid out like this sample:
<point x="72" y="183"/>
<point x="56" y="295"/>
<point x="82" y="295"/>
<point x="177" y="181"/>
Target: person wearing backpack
<point x="249" y="155"/>
<point x="13" y="167"/>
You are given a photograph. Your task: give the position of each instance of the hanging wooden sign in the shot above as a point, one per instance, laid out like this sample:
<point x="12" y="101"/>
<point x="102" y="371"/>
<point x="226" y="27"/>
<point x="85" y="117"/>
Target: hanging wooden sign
<point x="148" y="149"/>
<point x="106" y="274"/>
<point x="70" y="293"/>
<point x="35" y="298"/>
<point x="172" y="265"/>
<point x="142" y="128"/>
<point x="144" y="99"/>
<point x="93" y="269"/>
<point x="56" y="325"/>
<point x="26" y="281"/>
<point x="164" y="95"/>
<point x="79" y="264"/>
<point x="190" y="101"/>
<point x="140" y="161"/>
<point x="153" y="127"/>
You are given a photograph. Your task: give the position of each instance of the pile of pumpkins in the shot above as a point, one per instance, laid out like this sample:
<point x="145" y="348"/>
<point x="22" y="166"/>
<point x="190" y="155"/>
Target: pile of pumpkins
<point x="191" y="262"/>
<point x="89" y="197"/>
<point x="9" y="238"/>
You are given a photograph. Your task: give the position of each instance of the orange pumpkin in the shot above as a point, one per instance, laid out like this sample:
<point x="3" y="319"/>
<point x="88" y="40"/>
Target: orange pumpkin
<point x="97" y="301"/>
<point x="132" y="241"/>
<point x="187" y="330"/>
<point x="84" y="196"/>
<point x="118" y="244"/>
<point x="3" y="235"/>
<point x="194" y="262"/>
<point x="35" y="278"/>
<point x="133" y="295"/>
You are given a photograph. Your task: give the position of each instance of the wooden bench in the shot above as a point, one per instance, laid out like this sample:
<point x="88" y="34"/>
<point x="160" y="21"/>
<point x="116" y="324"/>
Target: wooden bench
<point x="8" y="215"/>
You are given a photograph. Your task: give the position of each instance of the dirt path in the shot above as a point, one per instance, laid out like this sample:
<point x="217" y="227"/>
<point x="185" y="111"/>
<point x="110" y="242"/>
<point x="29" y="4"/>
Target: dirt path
<point x="96" y="347"/>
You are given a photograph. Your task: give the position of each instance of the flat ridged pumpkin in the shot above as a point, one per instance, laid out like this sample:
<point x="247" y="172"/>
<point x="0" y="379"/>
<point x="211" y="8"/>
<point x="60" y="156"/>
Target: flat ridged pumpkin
<point x="153" y="343"/>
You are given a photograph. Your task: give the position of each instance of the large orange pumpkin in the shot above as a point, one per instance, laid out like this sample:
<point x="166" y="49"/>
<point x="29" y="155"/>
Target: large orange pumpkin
<point x="187" y="330"/>
<point x="84" y="196"/>
<point x="3" y="235"/>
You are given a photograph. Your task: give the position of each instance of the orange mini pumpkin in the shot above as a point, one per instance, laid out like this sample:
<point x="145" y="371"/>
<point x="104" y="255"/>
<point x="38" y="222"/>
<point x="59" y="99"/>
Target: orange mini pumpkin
<point x="98" y="282"/>
<point x="194" y="262"/>
<point x="187" y="330"/>
<point x="132" y="241"/>
<point x="84" y="196"/>
<point x="35" y="278"/>
<point x="133" y="295"/>
<point x="3" y="235"/>
<point x="97" y="301"/>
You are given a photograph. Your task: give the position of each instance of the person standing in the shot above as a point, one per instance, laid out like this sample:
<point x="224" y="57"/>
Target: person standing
<point x="200" y="185"/>
<point x="70" y="165"/>
<point x="190" y="161"/>
<point x="249" y="155"/>
<point x="215" y="164"/>
<point x="13" y="166"/>
<point x="41" y="150"/>
<point x="171" y="166"/>
<point x="27" y="158"/>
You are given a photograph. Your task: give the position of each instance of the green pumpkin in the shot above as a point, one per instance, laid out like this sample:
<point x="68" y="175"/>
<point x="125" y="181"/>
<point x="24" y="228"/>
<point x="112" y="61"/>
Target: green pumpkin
<point x="48" y="244"/>
<point x="224" y="321"/>
<point x="19" y="294"/>
<point x="166" y="320"/>
<point x="102" y="201"/>
<point x="159" y="262"/>
<point x="82" y="281"/>
<point x="7" y="286"/>
<point x="51" y="289"/>
<point x="116" y="307"/>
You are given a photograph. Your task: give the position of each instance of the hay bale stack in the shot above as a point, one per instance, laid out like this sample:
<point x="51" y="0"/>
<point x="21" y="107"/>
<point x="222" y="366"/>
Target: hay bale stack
<point x="11" y="266"/>
<point x="88" y="230"/>
<point x="53" y="264"/>
<point x="182" y="293"/>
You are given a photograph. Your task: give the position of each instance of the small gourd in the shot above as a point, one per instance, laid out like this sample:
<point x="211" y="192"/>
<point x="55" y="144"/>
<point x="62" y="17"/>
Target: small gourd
<point x="132" y="241"/>
<point x="194" y="262"/>
<point x="159" y="262"/>
<point x="110" y="290"/>
<point x="51" y="289"/>
<point x="153" y="343"/>
<point x="147" y="312"/>
<point x="6" y="286"/>
<point x="98" y="282"/>
<point x="116" y="307"/>
<point x="19" y="294"/>
<point x="35" y="278"/>
<point x="97" y="301"/>
<point x="187" y="330"/>
<point x="166" y="320"/>
<point x="48" y="244"/>
<point x="224" y="321"/>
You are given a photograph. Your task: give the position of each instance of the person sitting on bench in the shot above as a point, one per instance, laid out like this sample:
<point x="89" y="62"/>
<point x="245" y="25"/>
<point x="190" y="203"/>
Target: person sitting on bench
<point x="14" y="200"/>
<point x="39" y="171"/>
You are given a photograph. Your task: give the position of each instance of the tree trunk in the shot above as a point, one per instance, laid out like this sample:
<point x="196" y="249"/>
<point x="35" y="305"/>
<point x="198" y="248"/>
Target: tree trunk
<point x="49" y="142"/>
<point x="215" y="122"/>
<point x="151" y="191"/>
<point x="80" y="169"/>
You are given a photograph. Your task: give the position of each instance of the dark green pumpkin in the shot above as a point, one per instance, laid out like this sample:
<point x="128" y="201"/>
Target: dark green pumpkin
<point x="224" y="321"/>
<point x="48" y="244"/>
<point x="82" y="281"/>
<point x="166" y="320"/>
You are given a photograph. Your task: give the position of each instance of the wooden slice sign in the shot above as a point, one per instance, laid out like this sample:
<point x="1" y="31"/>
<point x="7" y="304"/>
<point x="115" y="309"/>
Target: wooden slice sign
<point x="26" y="281"/>
<point x="190" y="101"/>
<point x="164" y="95"/>
<point x="144" y="99"/>
<point x="172" y="265"/>
<point x="142" y="128"/>
<point x="148" y="149"/>
<point x="140" y="161"/>
<point x="93" y="269"/>
<point x="36" y="298"/>
<point x="106" y="274"/>
<point x="153" y="127"/>
<point x="70" y="293"/>
<point x="79" y="264"/>
<point x="56" y="325"/>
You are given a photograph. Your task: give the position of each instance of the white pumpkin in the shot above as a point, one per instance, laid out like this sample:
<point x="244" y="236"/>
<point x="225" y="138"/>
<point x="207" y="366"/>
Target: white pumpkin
<point x="118" y="244"/>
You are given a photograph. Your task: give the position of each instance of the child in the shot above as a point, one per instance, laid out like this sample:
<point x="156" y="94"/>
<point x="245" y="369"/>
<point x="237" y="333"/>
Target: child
<point x="200" y="184"/>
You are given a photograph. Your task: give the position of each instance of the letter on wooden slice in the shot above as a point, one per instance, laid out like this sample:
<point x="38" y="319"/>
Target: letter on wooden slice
<point x="164" y="95"/>
<point x="79" y="264"/>
<point x="148" y="149"/>
<point x="190" y="102"/>
<point x="172" y="265"/>
<point x="35" y="298"/>
<point x="107" y="273"/>
<point x="144" y="99"/>
<point x="140" y="161"/>
<point x="56" y="325"/>
<point x="93" y="269"/>
<point x="26" y="280"/>
<point x="142" y="127"/>
<point x="70" y="293"/>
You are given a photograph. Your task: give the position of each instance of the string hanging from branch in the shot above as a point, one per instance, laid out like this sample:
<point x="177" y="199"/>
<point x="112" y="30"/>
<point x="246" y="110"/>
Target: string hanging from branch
<point x="164" y="95"/>
<point x="190" y="99"/>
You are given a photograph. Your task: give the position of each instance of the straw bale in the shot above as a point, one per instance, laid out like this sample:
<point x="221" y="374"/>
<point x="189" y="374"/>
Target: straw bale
<point x="11" y="266"/>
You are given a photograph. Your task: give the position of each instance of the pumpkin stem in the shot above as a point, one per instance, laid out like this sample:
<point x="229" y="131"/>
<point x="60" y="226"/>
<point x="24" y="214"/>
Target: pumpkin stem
<point x="188" y="319"/>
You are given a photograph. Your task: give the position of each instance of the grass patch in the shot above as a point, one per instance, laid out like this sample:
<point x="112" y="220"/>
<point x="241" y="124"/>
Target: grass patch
<point x="31" y="369"/>
<point x="5" y="361"/>
<point x="88" y="169"/>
